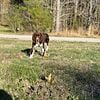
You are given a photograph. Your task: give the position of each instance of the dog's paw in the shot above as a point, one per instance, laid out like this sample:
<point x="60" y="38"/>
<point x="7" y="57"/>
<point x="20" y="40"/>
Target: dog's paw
<point x="31" y="57"/>
<point x="45" y="56"/>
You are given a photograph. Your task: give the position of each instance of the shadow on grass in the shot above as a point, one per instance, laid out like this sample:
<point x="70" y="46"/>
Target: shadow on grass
<point x="84" y="84"/>
<point x="4" y="95"/>
<point x="28" y="51"/>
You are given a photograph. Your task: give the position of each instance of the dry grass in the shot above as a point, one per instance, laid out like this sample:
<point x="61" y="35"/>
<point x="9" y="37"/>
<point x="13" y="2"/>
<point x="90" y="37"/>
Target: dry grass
<point x="91" y="32"/>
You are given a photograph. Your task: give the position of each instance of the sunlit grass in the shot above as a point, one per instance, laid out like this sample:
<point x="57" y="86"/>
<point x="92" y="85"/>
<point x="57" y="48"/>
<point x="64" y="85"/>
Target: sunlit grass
<point x="75" y="68"/>
<point x="5" y="29"/>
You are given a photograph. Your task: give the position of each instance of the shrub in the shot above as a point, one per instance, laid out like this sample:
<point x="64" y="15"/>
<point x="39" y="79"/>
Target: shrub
<point x="14" y="18"/>
<point x="32" y="16"/>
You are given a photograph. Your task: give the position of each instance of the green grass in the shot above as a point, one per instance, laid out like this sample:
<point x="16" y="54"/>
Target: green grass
<point x="75" y="68"/>
<point x="5" y="29"/>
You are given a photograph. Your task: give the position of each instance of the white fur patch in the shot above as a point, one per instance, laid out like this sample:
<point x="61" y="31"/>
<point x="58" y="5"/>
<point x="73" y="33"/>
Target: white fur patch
<point x="31" y="56"/>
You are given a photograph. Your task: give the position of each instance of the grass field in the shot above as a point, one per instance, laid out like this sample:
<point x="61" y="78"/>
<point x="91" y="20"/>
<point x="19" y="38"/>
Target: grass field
<point x="75" y="70"/>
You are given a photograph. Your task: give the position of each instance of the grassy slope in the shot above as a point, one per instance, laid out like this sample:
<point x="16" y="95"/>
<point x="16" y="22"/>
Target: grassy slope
<point x="5" y="30"/>
<point x="74" y="66"/>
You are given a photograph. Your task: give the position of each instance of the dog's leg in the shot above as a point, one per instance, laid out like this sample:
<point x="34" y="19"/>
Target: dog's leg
<point x="45" y="49"/>
<point x="32" y="53"/>
<point x="42" y="49"/>
<point x="33" y="50"/>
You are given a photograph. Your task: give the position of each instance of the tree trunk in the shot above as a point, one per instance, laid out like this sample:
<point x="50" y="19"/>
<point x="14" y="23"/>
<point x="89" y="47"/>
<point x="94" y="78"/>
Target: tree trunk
<point x="90" y="13"/>
<point x="76" y="8"/>
<point x="3" y="10"/>
<point x="58" y="17"/>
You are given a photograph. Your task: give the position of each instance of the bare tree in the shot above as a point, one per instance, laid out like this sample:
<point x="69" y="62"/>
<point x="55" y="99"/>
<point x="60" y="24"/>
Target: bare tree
<point x="3" y="9"/>
<point x="90" y="11"/>
<point x="76" y="8"/>
<point x="58" y="16"/>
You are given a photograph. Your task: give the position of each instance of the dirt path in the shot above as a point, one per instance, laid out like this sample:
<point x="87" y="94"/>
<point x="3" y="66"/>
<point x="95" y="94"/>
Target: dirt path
<point x="52" y="38"/>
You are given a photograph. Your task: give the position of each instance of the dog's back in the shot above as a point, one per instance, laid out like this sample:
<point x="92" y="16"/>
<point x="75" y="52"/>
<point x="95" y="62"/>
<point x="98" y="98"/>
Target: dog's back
<point x="40" y="37"/>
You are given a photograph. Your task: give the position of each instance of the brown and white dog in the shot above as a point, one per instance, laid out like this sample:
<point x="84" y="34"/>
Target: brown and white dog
<point x="39" y="40"/>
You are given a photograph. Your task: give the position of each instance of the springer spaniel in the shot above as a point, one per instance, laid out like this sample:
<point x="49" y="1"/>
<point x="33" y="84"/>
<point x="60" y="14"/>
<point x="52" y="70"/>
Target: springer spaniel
<point x="39" y="40"/>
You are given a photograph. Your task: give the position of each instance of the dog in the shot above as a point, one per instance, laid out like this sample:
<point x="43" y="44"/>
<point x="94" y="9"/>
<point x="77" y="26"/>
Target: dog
<point x="41" y="40"/>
